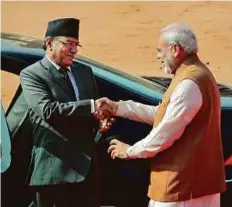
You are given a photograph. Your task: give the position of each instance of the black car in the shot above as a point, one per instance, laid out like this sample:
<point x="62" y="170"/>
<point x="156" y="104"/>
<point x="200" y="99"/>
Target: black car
<point x="124" y="182"/>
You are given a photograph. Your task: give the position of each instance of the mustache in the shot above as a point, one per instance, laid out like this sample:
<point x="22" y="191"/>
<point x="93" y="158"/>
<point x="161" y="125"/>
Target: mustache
<point x="70" y="54"/>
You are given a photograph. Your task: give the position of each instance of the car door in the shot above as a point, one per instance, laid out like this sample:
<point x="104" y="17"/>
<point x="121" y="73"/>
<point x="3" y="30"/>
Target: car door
<point x="15" y="191"/>
<point x="127" y="180"/>
<point x="5" y="143"/>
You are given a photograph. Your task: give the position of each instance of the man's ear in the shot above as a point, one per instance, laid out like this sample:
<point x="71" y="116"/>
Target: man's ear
<point x="176" y="49"/>
<point x="49" y="43"/>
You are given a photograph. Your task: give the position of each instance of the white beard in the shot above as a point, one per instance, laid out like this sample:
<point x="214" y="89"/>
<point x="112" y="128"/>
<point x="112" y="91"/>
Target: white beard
<point x="167" y="64"/>
<point x="167" y="68"/>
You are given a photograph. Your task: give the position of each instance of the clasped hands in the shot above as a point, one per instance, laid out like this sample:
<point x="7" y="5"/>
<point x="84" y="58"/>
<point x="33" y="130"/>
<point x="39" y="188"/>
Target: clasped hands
<point x="105" y="109"/>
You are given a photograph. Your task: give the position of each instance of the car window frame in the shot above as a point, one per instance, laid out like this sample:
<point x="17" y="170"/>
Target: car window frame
<point x="12" y="65"/>
<point x="5" y="142"/>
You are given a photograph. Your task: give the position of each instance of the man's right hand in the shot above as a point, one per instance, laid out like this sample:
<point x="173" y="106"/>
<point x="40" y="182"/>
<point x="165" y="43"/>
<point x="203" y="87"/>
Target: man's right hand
<point x="105" y="108"/>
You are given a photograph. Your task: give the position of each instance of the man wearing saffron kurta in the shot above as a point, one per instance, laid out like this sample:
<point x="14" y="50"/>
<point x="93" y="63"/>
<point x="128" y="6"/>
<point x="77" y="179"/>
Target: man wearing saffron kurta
<point x="185" y="143"/>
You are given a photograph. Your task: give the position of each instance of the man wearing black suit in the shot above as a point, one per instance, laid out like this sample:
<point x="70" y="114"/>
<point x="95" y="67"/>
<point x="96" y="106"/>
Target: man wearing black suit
<point x="63" y="111"/>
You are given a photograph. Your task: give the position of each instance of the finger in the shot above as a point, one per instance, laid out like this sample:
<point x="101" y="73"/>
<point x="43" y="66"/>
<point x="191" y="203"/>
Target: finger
<point x="113" y="154"/>
<point x="103" y="99"/>
<point x="102" y="115"/>
<point x="106" y="122"/>
<point x="112" y="120"/>
<point x="104" y="129"/>
<point x="107" y="109"/>
<point x="114" y="142"/>
<point x="109" y="124"/>
<point x="101" y="104"/>
<point x="98" y="103"/>
<point x="96" y="113"/>
<point x="107" y="127"/>
<point x="111" y="148"/>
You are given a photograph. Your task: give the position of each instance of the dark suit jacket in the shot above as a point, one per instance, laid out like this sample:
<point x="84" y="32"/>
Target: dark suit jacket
<point x="63" y="128"/>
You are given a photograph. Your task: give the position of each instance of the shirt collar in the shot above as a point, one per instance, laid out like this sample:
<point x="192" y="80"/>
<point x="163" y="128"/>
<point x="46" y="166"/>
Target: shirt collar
<point x="55" y="65"/>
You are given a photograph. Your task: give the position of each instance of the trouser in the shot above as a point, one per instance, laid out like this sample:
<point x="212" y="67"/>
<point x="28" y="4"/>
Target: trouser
<point x="84" y="194"/>
<point x="205" y="201"/>
<point x="66" y="195"/>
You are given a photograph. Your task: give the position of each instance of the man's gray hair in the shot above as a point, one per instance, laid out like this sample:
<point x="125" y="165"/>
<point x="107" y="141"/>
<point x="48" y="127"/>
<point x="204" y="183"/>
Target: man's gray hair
<point x="181" y="34"/>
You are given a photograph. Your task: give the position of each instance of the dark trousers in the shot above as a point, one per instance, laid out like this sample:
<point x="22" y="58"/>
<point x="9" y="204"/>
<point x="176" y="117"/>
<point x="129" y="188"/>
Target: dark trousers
<point x="84" y="194"/>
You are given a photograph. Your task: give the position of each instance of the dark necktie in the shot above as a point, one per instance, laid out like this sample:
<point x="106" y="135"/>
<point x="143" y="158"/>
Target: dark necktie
<point x="64" y="72"/>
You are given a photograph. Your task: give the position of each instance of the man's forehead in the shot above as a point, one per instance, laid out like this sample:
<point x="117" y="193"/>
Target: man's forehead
<point x="71" y="39"/>
<point x="162" y="42"/>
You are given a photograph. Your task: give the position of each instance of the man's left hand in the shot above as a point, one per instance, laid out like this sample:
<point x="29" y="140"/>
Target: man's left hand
<point x="118" y="149"/>
<point x="106" y="124"/>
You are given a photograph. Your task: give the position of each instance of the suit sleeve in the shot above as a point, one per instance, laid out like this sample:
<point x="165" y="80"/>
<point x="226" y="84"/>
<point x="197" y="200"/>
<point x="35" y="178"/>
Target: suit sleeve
<point x="95" y="88"/>
<point x="96" y="124"/>
<point x="39" y="97"/>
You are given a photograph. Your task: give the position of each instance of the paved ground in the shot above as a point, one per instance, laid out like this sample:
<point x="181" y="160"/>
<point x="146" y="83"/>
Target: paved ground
<point x="124" y="34"/>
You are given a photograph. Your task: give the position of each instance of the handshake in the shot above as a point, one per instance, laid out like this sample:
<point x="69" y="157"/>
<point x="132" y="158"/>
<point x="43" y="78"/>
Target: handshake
<point x="104" y="110"/>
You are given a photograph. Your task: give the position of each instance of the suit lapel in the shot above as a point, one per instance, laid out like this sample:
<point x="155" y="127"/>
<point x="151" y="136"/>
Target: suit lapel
<point x="56" y="77"/>
<point x="79" y="78"/>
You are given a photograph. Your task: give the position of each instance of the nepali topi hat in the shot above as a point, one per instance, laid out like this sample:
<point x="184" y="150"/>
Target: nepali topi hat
<point x="68" y="27"/>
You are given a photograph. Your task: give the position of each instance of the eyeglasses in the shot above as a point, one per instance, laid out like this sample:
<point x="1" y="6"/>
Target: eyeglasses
<point x="69" y="43"/>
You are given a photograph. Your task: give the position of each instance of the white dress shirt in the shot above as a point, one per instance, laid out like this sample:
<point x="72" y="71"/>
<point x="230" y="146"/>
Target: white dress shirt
<point x="70" y="74"/>
<point x="185" y="102"/>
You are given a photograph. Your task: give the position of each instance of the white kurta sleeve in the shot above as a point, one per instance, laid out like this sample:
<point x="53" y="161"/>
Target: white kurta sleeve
<point x="137" y="111"/>
<point x="185" y="102"/>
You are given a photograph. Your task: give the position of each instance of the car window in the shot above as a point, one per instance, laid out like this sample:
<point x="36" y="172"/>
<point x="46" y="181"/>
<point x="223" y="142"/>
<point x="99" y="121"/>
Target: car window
<point x="116" y="76"/>
<point x="5" y="144"/>
<point x="10" y="83"/>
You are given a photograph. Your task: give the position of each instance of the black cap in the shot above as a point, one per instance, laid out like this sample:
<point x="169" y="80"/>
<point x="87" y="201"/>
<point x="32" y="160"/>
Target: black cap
<point x="68" y="27"/>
